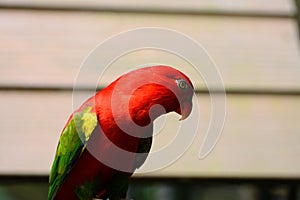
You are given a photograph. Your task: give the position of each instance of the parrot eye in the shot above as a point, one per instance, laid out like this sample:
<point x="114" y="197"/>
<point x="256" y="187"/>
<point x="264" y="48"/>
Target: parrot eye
<point x="182" y="84"/>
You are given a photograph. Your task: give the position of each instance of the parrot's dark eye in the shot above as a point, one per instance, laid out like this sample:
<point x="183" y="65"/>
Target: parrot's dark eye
<point x="182" y="84"/>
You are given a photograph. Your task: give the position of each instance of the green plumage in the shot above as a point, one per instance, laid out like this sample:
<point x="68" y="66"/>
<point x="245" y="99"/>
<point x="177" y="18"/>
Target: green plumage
<point x="87" y="190"/>
<point x="71" y="144"/>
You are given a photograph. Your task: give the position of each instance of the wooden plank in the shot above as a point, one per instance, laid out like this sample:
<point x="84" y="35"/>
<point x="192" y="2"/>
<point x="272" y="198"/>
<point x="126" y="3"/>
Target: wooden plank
<point x="260" y="136"/>
<point x="285" y="7"/>
<point x="46" y="48"/>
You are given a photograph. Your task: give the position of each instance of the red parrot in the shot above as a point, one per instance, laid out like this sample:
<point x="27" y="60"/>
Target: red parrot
<point x="110" y="135"/>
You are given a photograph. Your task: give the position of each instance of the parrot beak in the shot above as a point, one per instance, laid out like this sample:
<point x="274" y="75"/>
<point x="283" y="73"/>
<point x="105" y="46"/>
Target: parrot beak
<point x="185" y="110"/>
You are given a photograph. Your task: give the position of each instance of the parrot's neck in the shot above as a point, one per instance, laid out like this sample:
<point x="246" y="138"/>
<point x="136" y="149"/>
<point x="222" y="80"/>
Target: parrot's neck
<point x="142" y="107"/>
<point x="148" y="104"/>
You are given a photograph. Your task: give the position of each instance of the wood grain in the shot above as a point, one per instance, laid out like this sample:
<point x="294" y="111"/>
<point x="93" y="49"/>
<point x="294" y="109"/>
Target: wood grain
<point x="286" y="7"/>
<point x="44" y="48"/>
<point x="260" y="136"/>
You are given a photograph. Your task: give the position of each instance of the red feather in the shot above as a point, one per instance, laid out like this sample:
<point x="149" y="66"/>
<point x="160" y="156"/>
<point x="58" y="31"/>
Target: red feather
<point x="160" y="89"/>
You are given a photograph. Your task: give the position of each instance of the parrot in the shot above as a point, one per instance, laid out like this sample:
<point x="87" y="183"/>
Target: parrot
<point x="110" y="135"/>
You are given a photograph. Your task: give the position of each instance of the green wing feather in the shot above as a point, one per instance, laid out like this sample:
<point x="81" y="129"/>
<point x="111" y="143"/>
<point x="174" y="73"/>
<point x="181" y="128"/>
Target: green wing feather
<point x="71" y="144"/>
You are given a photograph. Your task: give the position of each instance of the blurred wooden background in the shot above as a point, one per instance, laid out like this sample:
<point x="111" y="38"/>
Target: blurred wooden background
<point x="254" y="43"/>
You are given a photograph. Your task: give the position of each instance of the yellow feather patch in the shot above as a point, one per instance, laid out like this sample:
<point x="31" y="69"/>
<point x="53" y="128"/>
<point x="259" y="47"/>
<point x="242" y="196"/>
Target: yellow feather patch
<point x="89" y="122"/>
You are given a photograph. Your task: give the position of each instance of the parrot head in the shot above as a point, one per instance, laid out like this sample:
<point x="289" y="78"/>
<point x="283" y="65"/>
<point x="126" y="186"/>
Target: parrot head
<point x="148" y="87"/>
<point x="177" y="90"/>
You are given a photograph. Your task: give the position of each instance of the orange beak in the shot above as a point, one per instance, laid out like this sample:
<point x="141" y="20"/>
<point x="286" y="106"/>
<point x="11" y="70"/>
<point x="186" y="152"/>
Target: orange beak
<point x="185" y="110"/>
